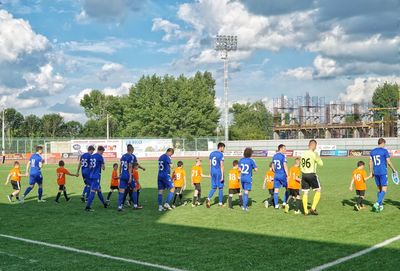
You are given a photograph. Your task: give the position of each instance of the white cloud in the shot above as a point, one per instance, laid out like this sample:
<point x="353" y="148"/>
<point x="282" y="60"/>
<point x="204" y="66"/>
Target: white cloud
<point x="108" y="69"/>
<point x="171" y="30"/>
<point x="362" y="88"/>
<point x="17" y="38"/>
<point x="108" y="46"/>
<point x="302" y="73"/>
<point x="123" y="89"/>
<point x="45" y="80"/>
<point x="325" y="67"/>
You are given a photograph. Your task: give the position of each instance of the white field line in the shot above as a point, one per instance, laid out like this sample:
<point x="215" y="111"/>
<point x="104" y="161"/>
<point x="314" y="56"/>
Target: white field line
<point x="357" y="254"/>
<point x="16" y="256"/>
<point x="91" y="253"/>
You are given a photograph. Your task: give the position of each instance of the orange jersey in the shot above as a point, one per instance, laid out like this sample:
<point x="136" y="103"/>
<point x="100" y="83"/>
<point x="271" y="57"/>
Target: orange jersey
<point x="136" y="178"/>
<point x="15" y="175"/>
<point x="114" y="178"/>
<point x="270" y="179"/>
<point x="197" y="171"/>
<point x="359" y="176"/>
<point x="294" y="173"/>
<point x="179" y="176"/>
<point x="61" y="175"/>
<point x="234" y="178"/>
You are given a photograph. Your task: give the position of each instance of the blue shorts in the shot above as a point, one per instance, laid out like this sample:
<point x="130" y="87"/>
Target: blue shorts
<point x="35" y="179"/>
<point x="216" y="181"/>
<point x="280" y="182"/>
<point x="381" y="180"/>
<point x="247" y="185"/>
<point x="85" y="177"/>
<point x="95" y="184"/>
<point x="123" y="183"/>
<point x="164" y="182"/>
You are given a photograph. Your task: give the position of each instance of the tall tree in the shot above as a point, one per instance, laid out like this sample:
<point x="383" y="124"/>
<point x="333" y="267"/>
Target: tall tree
<point x="13" y="122"/>
<point x="385" y="96"/>
<point x="251" y="121"/>
<point x="52" y="125"/>
<point x="32" y="126"/>
<point x="72" y="129"/>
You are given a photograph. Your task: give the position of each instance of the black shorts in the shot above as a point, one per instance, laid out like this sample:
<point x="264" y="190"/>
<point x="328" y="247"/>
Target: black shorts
<point x="178" y="190"/>
<point x="271" y="191"/>
<point x="234" y="190"/>
<point x="309" y="180"/>
<point x="360" y="193"/>
<point x="294" y="192"/>
<point x="114" y="188"/>
<point x="61" y="187"/>
<point x="16" y="185"/>
<point x="197" y="186"/>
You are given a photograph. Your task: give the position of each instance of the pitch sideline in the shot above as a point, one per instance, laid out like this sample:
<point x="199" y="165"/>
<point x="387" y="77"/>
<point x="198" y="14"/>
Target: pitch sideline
<point x="355" y="255"/>
<point x="91" y="253"/>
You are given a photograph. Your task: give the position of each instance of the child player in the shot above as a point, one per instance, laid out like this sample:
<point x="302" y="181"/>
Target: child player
<point x="15" y="177"/>
<point x="138" y="187"/>
<point x="294" y="184"/>
<point x="358" y="180"/>
<point x="247" y="166"/>
<point x="179" y="178"/>
<point x="269" y="184"/>
<point x="197" y="175"/>
<point x="61" y="172"/>
<point x="114" y="182"/>
<point x="234" y="184"/>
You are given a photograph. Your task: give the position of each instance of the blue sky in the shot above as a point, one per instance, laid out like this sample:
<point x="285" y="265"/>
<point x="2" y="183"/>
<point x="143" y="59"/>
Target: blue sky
<point x="56" y="51"/>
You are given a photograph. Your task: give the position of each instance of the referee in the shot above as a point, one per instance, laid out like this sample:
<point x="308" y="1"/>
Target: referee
<point x="309" y="179"/>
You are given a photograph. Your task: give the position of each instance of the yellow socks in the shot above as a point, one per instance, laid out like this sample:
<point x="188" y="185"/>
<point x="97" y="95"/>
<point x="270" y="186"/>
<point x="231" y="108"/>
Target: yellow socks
<point x="317" y="196"/>
<point x="305" y="203"/>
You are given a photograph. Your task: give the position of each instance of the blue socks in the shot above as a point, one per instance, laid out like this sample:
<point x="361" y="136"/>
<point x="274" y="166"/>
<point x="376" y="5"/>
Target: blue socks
<point x="90" y="199"/>
<point x="381" y="196"/>
<point x="134" y="197"/>
<point x="29" y="189"/>
<point x="276" y="198"/>
<point x="169" y="197"/>
<point x="211" y="193"/>
<point x="159" y="199"/>
<point x="285" y="197"/>
<point x="245" y="200"/>
<point x="120" y="198"/>
<point x="220" y="195"/>
<point x="100" y="195"/>
<point x="40" y="193"/>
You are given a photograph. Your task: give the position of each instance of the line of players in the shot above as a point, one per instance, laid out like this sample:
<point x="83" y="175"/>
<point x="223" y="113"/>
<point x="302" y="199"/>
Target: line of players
<point x="301" y="176"/>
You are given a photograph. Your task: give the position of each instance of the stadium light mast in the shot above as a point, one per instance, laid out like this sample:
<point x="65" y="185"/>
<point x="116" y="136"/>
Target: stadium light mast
<point x="3" y="138"/>
<point x="224" y="44"/>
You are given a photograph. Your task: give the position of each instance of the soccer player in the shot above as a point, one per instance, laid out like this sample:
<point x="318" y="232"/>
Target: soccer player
<point x="61" y="172"/>
<point x="309" y="179"/>
<point x="247" y="166"/>
<point x="138" y="187"/>
<point x="358" y="180"/>
<point x="379" y="160"/>
<point x="179" y="178"/>
<point x="84" y="161"/>
<point x="164" y="180"/>
<point x="34" y="167"/>
<point x="281" y="173"/>
<point x="15" y="177"/>
<point x="216" y="161"/>
<point x="294" y="187"/>
<point x="114" y="182"/>
<point x="96" y="166"/>
<point x="234" y="184"/>
<point x="125" y="173"/>
<point x="197" y="175"/>
<point x="269" y="184"/>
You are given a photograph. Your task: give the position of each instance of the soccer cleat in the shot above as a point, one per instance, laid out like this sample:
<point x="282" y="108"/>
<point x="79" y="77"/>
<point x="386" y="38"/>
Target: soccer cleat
<point x="105" y="205"/>
<point x="173" y="206"/>
<point x="266" y="204"/>
<point x="375" y="207"/>
<point x="185" y="203"/>
<point x="221" y="205"/>
<point x="381" y="208"/>
<point x="41" y="200"/>
<point x="88" y="209"/>
<point x="193" y="205"/>
<point x="198" y="203"/>
<point x="9" y="198"/>
<point x="160" y="208"/>
<point x="356" y="207"/>
<point x="313" y="212"/>
<point x="297" y="212"/>
<point x="68" y="199"/>
<point x="108" y="202"/>
<point x="287" y="208"/>
<point x="83" y="199"/>
<point x="208" y="203"/>
<point x="277" y="206"/>
<point x="167" y="206"/>
<point x="56" y="201"/>
<point x="283" y="205"/>
<point x="119" y="209"/>
<point x="245" y="209"/>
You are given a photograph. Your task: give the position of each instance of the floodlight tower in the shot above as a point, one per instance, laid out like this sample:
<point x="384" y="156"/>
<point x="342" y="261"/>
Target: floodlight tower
<point x="225" y="44"/>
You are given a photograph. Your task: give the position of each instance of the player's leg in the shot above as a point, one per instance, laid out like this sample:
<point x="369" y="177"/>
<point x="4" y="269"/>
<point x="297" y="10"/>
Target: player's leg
<point x="100" y="196"/>
<point x="176" y="195"/>
<point x="298" y="203"/>
<point x="195" y="196"/>
<point x="32" y="183"/>
<point x="169" y="185"/>
<point x="93" y="189"/>
<point x="134" y="195"/>
<point x="384" y="183"/>
<point x="276" y="196"/>
<point x="65" y="194"/>
<point x="286" y="195"/>
<point x="109" y="194"/>
<point x="240" y="199"/>
<point x="220" y="192"/>
<point x="230" y="198"/>
<point x="60" y="189"/>
<point x="215" y="178"/>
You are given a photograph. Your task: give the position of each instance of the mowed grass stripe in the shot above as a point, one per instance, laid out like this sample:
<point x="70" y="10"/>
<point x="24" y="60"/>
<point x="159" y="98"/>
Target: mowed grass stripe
<point x="91" y="253"/>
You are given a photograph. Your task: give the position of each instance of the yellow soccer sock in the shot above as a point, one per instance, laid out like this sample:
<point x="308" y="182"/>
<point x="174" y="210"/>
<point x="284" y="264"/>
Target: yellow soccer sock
<point x="317" y="196"/>
<point x="305" y="203"/>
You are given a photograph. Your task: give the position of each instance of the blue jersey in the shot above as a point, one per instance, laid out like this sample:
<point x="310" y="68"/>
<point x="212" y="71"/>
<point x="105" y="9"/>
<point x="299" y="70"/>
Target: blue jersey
<point x="85" y="159"/>
<point x="96" y="164"/>
<point x="279" y="161"/>
<point x="215" y="158"/>
<point x="164" y="168"/>
<point x="378" y="157"/>
<point x="247" y="165"/>
<point x="126" y="160"/>
<point x="36" y="163"/>
<point x="134" y="159"/>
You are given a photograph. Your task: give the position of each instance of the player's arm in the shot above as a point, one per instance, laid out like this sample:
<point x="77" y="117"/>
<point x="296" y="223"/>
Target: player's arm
<point x="286" y="168"/>
<point x="79" y="167"/>
<point x="222" y="170"/>
<point x="318" y="160"/>
<point x="371" y="167"/>
<point x="69" y="174"/>
<point x="142" y="168"/>
<point x="298" y="179"/>
<point x="351" y="184"/>
<point x="389" y="162"/>
<point x="28" y="167"/>
<point x="265" y="182"/>
<point x="184" y="182"/>
<point x="8" y="179"/>
<point x="130" y="169"/>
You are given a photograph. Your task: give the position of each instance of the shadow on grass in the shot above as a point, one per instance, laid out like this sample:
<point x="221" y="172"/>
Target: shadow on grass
<point x="353" y="201"/>
<point x="145" y="235"/>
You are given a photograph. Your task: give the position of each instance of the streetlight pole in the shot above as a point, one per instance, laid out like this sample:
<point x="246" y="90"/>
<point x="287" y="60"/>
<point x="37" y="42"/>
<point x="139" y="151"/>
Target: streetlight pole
<point x="224" y="44"/>
<point x="108" y="127"/>
<point x="3" y="138"/>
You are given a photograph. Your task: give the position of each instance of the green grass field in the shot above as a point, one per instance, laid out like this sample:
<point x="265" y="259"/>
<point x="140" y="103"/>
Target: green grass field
<point x="199" y="238"/>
